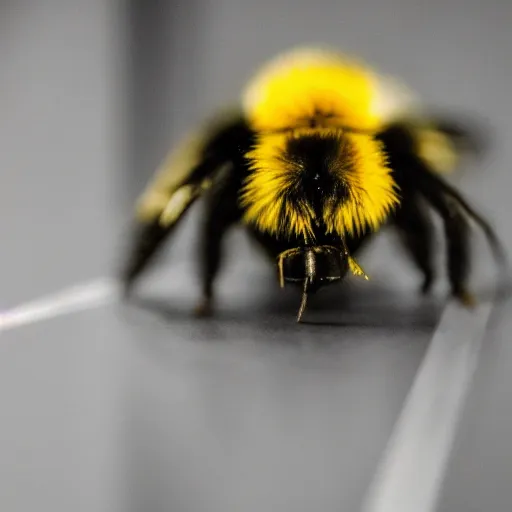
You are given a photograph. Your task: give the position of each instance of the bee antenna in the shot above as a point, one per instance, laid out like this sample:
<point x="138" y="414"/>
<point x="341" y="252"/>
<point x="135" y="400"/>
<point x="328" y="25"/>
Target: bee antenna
<point x="281" y="272"/>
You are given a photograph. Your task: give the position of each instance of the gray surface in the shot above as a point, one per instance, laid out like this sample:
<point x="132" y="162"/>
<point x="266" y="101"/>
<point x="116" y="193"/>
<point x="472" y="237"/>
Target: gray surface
<point x="59" y="399"/>
<point x="125" y="409"/>
<point x="480" y="472"/>
<point x="251" y="412"/>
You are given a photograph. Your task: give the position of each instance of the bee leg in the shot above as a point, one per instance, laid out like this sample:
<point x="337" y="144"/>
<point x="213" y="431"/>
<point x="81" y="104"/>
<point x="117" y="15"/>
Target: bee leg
<point x="148" y="239"/>
<point x="221" y="214"/>
<point x="416" y="229"/>
<point x="457" y="240"/>
<point x="457" y="231"/>
<point x="455" y="211"/>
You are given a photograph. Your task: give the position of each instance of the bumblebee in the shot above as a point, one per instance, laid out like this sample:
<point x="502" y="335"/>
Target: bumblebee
<point x="319" y="154"/>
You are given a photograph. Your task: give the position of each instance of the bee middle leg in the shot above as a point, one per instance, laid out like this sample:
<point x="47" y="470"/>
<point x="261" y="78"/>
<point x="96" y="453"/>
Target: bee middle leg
<point x="416" y="230"/>
<point x="221" y="213"/>
<point x="457" y="234"/>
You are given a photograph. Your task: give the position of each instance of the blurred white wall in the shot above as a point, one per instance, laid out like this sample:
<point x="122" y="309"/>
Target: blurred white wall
<point x="61" y="105"/>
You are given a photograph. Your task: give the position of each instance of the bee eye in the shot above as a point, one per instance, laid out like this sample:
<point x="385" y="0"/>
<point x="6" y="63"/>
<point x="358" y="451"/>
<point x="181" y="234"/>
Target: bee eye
<point x="294" y="265"/>
<point x="331" y="265"/>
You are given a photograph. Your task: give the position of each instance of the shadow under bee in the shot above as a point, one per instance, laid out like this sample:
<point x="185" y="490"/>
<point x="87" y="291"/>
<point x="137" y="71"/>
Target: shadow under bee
<point x="338" y="306"/>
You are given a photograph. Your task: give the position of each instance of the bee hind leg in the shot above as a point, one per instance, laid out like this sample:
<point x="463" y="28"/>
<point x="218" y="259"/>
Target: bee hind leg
<point x="457" y="234"/>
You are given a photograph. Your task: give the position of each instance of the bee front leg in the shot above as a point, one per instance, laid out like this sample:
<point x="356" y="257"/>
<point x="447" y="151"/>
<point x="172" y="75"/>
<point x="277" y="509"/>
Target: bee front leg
<point x="147" y="241"/>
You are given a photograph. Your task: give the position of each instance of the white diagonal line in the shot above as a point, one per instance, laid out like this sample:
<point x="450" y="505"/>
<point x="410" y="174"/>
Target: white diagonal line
<point x="79" y="297"/>
<point x="411" y="473"/>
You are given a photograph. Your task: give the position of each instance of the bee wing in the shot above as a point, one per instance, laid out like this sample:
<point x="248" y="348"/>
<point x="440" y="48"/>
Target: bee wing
<point x="443" y="139"/>
<point x="186" y="173"/>
<point x="393" y="99"/>
<point x="467" y="134"/>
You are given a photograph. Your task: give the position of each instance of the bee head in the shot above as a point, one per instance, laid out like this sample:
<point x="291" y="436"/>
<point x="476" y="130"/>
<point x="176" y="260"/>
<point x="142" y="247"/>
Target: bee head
<point x="313" y="267"/>
<point x="319" y="265"/>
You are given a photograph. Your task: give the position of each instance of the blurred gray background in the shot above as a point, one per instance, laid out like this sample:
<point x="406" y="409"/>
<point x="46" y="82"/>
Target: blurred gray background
<point x="123" y="408"/>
